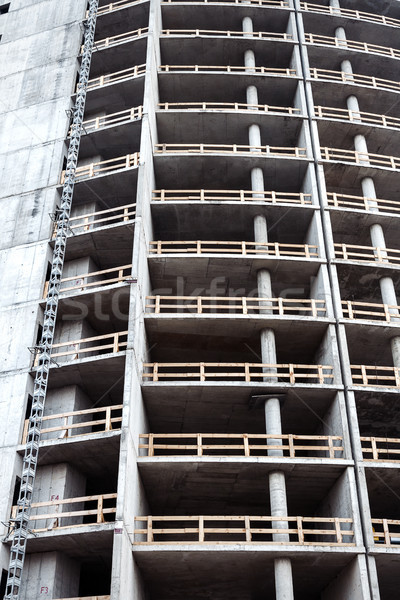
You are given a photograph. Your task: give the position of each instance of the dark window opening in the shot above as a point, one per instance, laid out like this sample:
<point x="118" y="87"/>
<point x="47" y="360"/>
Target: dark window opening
<point x="39" y="334"/>
<point x="3" y="583"/>
<point x="16" y="490"/>
<point x="4" y="8"/>
<point x="28" y="410"/>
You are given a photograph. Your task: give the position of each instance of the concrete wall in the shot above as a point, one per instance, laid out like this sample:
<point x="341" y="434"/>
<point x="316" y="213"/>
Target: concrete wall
<point x="38" y="64"/>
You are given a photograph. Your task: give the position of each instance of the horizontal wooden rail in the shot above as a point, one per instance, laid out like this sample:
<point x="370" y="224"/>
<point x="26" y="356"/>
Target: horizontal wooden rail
<point x="375" y="376"/>
<point x="114" y="40"/>
<point x="386" y="532"/>
<point x="99" y="344"/>
<point x="241" y="444"/>
<point x="330" y="112"/>
<point x="230" y="196"/>
<point x="230" y="106"/>
<point x="349" y="13"/>
<point x="94" y="516"/>
<point x="104" y="167"/>
<point x="360" y="158"/>
<point x="324" y="40"/>
<point x="107" y="8"/>
<point x="305" y="531"/>
<point x="367" y="254"/>
<point x="88" y="598"/>
<point x="247" y="372"/>
<point x="280" y="151"/>
<point x="366" y="80"/>
<point x="363" y="202"/>
<point x="276" y="3"/>
<point x="83" y="280"/>
<point x="235" y="305"/>
<point x="264" y="35"/>
<point x="102" y="419"/>
<point x="119" y="118"/>
<point x="388" y="313"/>
<point x="90" y="221"/>
<point x="238" y="248"/>
<point x="118" y="76"/>
<point x="380" y="448"/>
<point x="227" y="69"/>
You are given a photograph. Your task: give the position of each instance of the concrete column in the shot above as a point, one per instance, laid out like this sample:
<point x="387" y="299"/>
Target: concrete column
<point x="334" y="3"/>
<point x="360" y="145"/>
<point x="368" y="188"/>
<point x="346" y="66"/>
<point x="340" y="33"/>
<point x="254" y="135"/>
<point x="252" y="96"/>
<point x="249" y="59"/>
<point x="283" y="579"/>
<point x="247" y="25"/>
<point x="354" y="107"/>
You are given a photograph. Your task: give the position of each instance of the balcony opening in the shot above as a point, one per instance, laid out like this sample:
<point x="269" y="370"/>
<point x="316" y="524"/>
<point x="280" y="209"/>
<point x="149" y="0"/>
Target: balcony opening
<point x="16" y="490"/>
<point x="4" y="8"/>
<point x="3" y="583"/>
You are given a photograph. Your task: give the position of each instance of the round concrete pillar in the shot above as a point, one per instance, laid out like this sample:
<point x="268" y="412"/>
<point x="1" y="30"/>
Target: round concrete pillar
<point x="346" y="67"/>
<point x="368" y="188"/>
<point x="257" y="182"/>
<point x="334" y="3"/>
<point x="340" y="33"/>
<point x="273" y="425"/>
<point x="360" y="145"/>
<point x="395" y="346"/>
<point x="249" y="59"/>
<point x="247" y="25"/>
<point x="252" y="97"/>
<point x="283" y="579"/>
<point x="254" y="135"/>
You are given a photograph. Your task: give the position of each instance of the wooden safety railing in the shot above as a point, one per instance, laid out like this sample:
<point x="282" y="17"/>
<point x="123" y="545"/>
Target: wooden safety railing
<point x="107" y="8"/>
<point x="90" y="221"/>
<point x="230" y="106"/>
<point x="360" y="158"/>
<point x="264" y="35"/>
<point x="247" y="372"/>
<point x="114" y="40"/>
<point x="88" y="598"/>
<point x="276" y="3"/>
<point x="324" y="40"/>
<point x="366" y="80"/>
<point x="241" y="444"/>
<point x="239" y="248"/>
<point x="98" y="344"/>
<point x="388" y="313"/>
<point x="119" y="118"/>
<point x="230" y="196"/>
<point x="330" y="112"/>
<point x="304" y="531"/>
<point x="367" y="254"/>
<point x="280" y="151"/>
<point x="375" y="376"/>
<point x="102" y="419"/>
<point x="118" y="76"/>
<point x="227" y="69"/>
<point x="55" y="518"/>
<point x="349" y="13"/>
<point x="104" y="167"/>
<point x="83" y="281"/>
<point x="386" y="532"/>
<point x="380" y="448"/>
<point x="235" y="305"/>
<point x="363" y="202"/>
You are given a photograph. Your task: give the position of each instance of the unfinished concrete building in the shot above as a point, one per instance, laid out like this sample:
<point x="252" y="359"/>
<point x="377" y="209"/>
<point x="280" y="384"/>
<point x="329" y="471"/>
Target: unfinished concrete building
<point x="221" y="416"/>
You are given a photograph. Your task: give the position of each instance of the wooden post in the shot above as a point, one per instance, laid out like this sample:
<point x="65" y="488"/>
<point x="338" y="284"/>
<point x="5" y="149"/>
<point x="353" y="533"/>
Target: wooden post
<point x="246" y="444"/>
<point x="201" y="529"/>
<point x="108" y="424"/>
<point x="151" y="444"/>
<point x="150" y="537"/>
<point x="199" y="445"/>
<point x="100" y="516"/>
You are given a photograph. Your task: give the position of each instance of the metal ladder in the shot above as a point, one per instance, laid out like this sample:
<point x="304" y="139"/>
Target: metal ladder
<point x="18" y="527"/>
